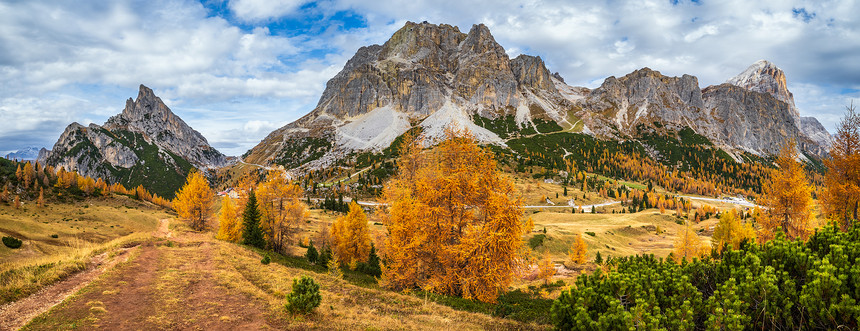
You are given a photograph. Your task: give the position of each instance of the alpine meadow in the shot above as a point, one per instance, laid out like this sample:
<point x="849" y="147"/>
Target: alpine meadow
<point x="356" y="166"/>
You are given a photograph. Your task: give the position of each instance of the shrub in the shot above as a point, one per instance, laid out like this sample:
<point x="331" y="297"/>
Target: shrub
<point x="590" y="233"/>
<point x="266" y="259"/>
<point x="304" y="297"/>
<point x="312" y="255"/>
<point x="12" y="242"/>
<point x="536" y="240"/>
<point x="55" y="236"/>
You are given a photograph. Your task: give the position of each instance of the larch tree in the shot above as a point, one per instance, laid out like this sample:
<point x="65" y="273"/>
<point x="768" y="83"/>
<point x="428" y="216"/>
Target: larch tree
<point x="454" y="221"/>
<point x="350" y="236"/>
<point x="788" y="198"/>
<point x="194" y="200"/>
<point x="28" y="174"/>
<point x="229" y="226"/>
<point x="731" y="231"/>
<point x="546" y="269"/>
<point x="840" y="198"/>
<point x="281" y="209"/>
<point x="688" y="245"/>
<point x="578" y="252"/>
<point x="252" y="235"/>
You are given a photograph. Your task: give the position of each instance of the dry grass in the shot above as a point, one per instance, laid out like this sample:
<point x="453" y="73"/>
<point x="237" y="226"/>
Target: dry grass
<point x="83" y="230"/>
<point x="22" y="278"/>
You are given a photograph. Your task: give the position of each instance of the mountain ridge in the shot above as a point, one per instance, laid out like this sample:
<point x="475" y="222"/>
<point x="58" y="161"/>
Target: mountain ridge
<point x="146" y="144"/>
<point x="430" y="76"/>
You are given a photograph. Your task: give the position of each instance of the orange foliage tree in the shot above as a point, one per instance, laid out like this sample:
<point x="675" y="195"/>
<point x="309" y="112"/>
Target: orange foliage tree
<point x="281" y="209"/>
<point x="194" y="200"/>
<point x="229" y="223"/>
<point x="731" y="232"/>
<point x="350" y="236"/>
<point x="454" y="223"/>
<point x="546" y="269"/>
<point x="841" y="195"/>
<point x="578" y="251"/>
<point x="788" y="197"/>
<point x="688" y="245"/>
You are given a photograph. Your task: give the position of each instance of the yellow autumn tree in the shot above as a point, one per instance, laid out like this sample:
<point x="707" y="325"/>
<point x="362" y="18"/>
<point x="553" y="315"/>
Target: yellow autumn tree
<point x="578" y="251"/>
<point x="840" y="198"/>
<point x="350" y="236"/>
<point x="454" y="221"/>
<point x="281" y="209"/>
<point x="546" y="269"/>
<point x="731" y="232"/>
<point x="788" y="198"/>
<point x="688" y="245"/>
<point x="229" y="223"/>
<point x="28" y="174"/>
<point x="194" y="200"/>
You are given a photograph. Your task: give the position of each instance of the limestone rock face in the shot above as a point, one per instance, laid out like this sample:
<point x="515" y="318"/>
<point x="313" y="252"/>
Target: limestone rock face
<point x="149" y="116"/>
<point x="815" y="131"/>
<point x="765" y="77"/>
<point x="753" y="121"/>
<point x="432" y="76"/>
<point x="620" y="105"/>
<point x="429" y="74"/>
<point x="146" y="145"/>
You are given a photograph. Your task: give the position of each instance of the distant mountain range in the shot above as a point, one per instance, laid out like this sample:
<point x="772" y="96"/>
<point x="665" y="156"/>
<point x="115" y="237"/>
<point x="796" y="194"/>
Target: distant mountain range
<point x="430" y="76"/>
<point x="26" y="154"/>
<point x="146" y="145"/>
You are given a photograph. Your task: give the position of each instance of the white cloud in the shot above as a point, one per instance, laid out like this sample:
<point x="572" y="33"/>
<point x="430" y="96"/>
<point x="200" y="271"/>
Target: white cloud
<point x="258" y="10"/>
<point x="220" y="77"/>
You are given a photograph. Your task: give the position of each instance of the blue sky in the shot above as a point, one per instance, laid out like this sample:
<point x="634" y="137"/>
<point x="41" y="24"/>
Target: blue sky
<point x="237" y="69"/>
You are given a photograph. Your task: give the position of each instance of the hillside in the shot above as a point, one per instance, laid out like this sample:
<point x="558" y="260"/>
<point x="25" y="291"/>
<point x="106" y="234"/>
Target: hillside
<point x="145" y="145"/>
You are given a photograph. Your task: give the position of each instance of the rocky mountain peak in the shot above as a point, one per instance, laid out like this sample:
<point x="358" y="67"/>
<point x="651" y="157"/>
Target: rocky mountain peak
<point x="150" y="116"/>
<point x="765" y="77"/>
<point x="530" y="71"/>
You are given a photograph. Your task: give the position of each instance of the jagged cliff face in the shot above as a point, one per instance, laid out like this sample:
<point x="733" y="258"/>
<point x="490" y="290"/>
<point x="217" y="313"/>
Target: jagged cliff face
<point x="146" y="145"/>
<point x="434" y="75"/>
<point x="765" y="77"/>
<point x="425" y="74"/>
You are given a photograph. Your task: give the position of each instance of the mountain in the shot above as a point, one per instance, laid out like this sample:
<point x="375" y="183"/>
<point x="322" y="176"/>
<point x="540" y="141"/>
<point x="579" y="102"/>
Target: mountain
<point x="765" y="77"/>
<point x="145" y="145"/>
<point x="29" y="153"/>
<point x="428" y="76"/>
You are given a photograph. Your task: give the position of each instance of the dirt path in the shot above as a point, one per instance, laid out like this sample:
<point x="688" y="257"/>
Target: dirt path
<point x="16" y="314"/>
<point x="168" y="286"/>
<point x="163" y="230"/>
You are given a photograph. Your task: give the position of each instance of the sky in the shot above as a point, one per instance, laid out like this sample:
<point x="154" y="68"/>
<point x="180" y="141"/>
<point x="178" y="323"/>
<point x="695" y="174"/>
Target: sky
<point x="235" y="70"/>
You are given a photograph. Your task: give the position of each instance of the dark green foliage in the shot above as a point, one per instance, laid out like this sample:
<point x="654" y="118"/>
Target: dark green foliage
<point x="304" y="297"/>
<point x="311" y="254"/>
<point x="11" y="242"/>
<point x="157" y="174"/>
<point x="598" y="259"/>
<point x="298" y="151"/>
<point x="266" y="259"/>
<point x="372" y="266"/>
<point x="55" y="236"/>
<point x="782" y="284"/>
<point x="324" y="257"/>
<point x="590" y="233"/>
<point x="537" y="240"/>
<point x="252" y="234"/>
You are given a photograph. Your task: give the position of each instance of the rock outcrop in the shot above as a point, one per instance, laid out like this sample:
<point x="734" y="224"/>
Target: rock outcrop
<point x="431" y="76"/>
<point x="428" y="74"/>
<point x="146" y="145"/>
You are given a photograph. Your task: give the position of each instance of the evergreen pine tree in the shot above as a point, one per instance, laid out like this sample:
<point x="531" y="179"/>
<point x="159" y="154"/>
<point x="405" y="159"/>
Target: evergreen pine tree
<point x="312" y="254"/>
<point x="252" y="235"/>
